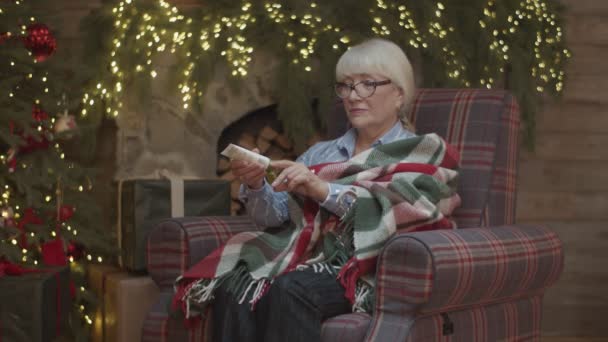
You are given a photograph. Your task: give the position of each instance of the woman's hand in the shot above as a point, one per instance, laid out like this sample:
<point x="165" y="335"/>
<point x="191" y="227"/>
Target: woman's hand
<point x="250" y="174"/>
<point x="296" y="177"/>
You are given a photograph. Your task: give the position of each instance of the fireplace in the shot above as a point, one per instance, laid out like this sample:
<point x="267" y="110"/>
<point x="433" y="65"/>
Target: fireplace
<point x="160" y="134"/>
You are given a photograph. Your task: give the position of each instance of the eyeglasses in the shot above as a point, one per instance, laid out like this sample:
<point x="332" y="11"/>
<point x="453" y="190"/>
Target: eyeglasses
<point x="363" y="89"/>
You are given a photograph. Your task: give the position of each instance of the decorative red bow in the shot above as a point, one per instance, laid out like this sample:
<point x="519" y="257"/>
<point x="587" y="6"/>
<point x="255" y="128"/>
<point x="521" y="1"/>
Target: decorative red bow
<point x="9" y="268"/>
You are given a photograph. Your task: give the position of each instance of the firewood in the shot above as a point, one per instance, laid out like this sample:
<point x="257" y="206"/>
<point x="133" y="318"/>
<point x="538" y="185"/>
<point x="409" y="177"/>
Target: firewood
<point x="235" y="207"/>
<point x="263" y="144"/>
<point x="275" y="153"/>
<point x="297" y="150"/>
<point x="223" y="165"/>
<point x="284" y="142"/>
<point x="314" y="139"/>
<point x="247" y="140"/>
<point x="235" y="187"/>
<point x="268" y="133"/>
<point x="227" y="175"/>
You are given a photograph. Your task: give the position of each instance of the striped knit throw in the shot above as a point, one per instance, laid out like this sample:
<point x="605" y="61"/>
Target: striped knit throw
<point x="407" y="185"/>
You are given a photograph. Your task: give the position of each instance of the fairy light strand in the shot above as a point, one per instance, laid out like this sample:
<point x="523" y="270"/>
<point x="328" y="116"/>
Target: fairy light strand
<point x="164" y="29"/>
<point x="11" y="211"/>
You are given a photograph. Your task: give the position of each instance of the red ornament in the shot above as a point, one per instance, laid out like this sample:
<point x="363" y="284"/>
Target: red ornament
<point x="66" y="212"/>
<point x="29" y="217"/>
<point x="9" y="268"/>
<point x="29" y="143"/>
<point x="75" y="250"/>
<point x="53" y="253"/>
<point x="38" y="114"/>
<point x="42" y="141"/>
<point x="40" y="41"/>
<point x="4" y="37"/>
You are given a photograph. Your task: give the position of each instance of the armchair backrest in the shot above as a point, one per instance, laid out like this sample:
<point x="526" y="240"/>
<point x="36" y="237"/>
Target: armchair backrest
<point x="483" y="126"/>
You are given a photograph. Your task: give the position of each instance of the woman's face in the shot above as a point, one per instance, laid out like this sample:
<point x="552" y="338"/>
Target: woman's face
<point x="378" y="111"/>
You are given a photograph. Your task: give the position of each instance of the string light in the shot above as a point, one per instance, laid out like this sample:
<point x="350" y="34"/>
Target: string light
<point x="163" y="29"/>
<point x="11" y="211"/>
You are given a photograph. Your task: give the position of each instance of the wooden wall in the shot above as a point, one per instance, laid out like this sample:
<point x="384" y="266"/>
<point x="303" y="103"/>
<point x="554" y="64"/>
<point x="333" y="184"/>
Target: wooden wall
<point x="564" y="183"/>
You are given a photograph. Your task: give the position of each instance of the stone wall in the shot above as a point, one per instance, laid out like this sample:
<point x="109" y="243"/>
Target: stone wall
<point x="162" y="135"/>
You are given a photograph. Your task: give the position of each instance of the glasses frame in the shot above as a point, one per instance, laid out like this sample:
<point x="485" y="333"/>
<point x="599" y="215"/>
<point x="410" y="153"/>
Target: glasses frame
<point x="353" y="87"/>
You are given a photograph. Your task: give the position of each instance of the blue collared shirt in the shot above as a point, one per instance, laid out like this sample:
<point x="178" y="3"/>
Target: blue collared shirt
<point x="269" y="208"/>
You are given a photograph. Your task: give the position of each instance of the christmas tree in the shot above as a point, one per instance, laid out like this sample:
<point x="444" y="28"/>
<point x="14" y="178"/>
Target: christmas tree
<point x="49" y="217"/>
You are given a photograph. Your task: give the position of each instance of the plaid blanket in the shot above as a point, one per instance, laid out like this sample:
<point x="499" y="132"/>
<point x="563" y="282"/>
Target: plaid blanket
<point x="407" y="185"/>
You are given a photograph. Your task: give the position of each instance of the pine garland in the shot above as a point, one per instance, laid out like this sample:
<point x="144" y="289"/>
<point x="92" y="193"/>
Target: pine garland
<point x="512" y="44"/>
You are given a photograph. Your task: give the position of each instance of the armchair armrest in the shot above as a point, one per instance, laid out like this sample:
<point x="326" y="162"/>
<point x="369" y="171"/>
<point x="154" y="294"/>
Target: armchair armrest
<point x="177" y="244"/>
<point x="438" y="271"/>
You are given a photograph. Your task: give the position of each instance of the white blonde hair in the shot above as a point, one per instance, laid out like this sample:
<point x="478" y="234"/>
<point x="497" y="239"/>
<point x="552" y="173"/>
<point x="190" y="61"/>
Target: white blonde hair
<point x="385" y="58"/>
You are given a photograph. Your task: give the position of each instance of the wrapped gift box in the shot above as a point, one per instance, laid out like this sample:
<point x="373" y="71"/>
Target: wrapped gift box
<point x="35" y="307"/>
<point x="144" y="203"/>
<point x="97" y="279"/>
<point x="125" y="299"/>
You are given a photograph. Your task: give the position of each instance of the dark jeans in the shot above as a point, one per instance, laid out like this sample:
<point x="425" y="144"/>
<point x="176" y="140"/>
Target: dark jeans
<point x="292" y="310"/>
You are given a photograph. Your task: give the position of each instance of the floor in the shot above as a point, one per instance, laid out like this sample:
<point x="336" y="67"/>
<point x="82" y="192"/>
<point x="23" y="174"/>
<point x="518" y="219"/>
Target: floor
<point x="574" y="339"/>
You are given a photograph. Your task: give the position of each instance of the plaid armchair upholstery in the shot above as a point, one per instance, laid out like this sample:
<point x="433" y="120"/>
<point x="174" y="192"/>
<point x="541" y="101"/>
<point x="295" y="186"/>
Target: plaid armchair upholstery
<point x="482" y="283"/>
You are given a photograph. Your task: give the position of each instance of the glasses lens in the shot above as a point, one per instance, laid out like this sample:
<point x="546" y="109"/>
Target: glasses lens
<point x="342" y="90"/>
<point x="365" y="89"/>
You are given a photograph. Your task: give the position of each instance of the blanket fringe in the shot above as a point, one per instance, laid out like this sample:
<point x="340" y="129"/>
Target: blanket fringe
<point x="363" y="297"/>
<point x="244" y="294"/>
<point x="199" y="292"/>
<point x="202" y="291"/>
<point x="260" y="291"/>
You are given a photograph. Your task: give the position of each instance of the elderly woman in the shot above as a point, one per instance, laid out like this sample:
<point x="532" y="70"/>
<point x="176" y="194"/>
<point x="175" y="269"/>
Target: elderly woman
<point x="301" y="281"/>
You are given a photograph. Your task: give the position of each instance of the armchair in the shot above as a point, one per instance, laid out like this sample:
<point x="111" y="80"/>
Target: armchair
<point x="482" y="282"/>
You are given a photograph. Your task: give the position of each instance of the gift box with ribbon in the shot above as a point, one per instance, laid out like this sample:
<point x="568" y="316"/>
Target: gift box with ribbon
<point x="125" y="299"/>
<point x="34" y="304"/>
<point x="143" y="203"/>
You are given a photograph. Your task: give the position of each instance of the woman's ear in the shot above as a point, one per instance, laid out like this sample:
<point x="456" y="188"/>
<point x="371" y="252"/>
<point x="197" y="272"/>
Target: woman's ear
<point x="399" y="101"/>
